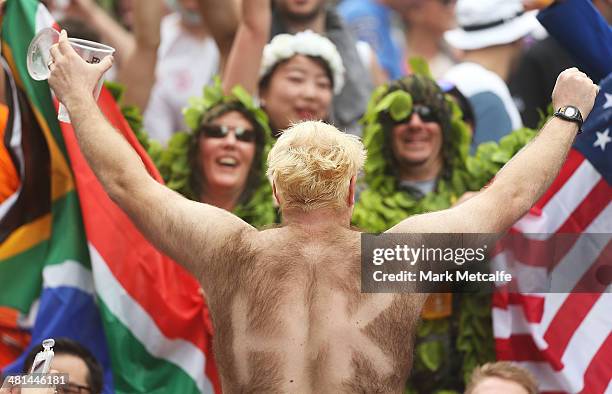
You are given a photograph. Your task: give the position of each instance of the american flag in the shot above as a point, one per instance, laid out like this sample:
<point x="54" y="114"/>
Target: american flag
<point x="565" y="339"/>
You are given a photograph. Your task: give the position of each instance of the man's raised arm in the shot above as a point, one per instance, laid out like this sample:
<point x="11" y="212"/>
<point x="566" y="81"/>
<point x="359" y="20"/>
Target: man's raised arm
<point x="523" y="180"/>
<point x="222" y="18"/>
<point x="185" y="230"/>
<point x="244" y="59"/>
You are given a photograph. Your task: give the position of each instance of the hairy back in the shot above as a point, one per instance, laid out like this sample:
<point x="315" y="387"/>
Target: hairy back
<point x="289" y="317"/>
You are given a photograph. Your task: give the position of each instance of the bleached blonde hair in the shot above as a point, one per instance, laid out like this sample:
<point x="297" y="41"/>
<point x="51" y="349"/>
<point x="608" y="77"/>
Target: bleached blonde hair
<point x="312" y="164"/>
<point x="503" y="370"/>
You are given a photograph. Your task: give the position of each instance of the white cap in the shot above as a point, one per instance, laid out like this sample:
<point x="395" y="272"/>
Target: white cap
<point x="485" y="23"/>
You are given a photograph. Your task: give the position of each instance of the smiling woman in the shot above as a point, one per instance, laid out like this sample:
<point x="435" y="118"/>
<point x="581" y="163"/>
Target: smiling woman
<point x="224" y="150"/>
<point x="297" y="89"/>
<point x="295" y="75"/>
<point x="221" y="159"/>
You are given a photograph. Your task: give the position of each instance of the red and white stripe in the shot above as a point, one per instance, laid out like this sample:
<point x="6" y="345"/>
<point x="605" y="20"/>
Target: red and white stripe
<point x="565" y="339"/>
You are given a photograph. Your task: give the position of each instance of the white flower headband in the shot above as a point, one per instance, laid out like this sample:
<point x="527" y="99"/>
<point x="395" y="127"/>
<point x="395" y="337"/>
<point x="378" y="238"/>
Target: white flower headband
<point x="309" y="43"/>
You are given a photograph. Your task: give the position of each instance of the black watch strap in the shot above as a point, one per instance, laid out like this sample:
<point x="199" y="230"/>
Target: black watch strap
<point x="572" y="114"/>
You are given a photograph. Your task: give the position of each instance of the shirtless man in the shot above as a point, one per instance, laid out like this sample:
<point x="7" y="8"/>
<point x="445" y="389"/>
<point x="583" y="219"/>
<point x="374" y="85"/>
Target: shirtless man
<point x="286" y="303"/>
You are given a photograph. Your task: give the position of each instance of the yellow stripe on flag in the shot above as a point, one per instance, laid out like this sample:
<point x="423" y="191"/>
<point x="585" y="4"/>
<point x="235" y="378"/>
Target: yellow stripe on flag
<point x="61" y="177"/>
<point x="26" y="236"/>
<point x="8" y="56"/>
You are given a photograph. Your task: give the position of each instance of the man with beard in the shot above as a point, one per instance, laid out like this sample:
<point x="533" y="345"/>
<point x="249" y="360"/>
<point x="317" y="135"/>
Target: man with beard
<point x="286" y="302"/>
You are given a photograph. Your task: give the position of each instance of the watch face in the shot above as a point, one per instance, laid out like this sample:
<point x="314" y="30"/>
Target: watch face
<point x="570" y="111"/>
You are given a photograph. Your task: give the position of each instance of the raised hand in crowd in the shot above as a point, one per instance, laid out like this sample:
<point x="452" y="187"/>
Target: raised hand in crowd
<point x="71" y="77"/>
<point x="222" y="18"/>
<point x="138" y="76"/>
<point x="246" y="51"/>
<point x="575" y="88"/>
<point x="110" y="31"/>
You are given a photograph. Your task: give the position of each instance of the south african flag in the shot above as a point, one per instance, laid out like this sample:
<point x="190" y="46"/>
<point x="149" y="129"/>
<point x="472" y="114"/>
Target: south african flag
<point x="71" y="262"/>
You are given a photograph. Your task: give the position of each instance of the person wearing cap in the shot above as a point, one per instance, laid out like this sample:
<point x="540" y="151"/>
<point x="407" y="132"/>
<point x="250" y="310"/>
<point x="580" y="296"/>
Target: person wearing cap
<point x="489" y="32"/>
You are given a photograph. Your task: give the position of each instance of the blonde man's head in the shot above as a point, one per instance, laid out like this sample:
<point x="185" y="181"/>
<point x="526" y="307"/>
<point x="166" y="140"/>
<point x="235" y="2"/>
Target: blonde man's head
<point x="501" y="376"/>
<point x="312" y="164"/>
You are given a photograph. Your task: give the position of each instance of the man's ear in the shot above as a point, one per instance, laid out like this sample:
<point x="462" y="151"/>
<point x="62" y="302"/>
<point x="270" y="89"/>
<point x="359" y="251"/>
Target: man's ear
<point x="351" y="194"/>
<point x="276" y="199"/>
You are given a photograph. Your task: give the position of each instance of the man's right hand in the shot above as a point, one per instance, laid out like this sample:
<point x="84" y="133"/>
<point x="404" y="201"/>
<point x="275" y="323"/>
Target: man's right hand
<point x="573" y="87"/>
<point x="72" y="79"/>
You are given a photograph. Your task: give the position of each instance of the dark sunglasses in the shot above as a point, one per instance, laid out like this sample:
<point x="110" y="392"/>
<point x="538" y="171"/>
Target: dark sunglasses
<point x="425" y="113"/>
<point x="215" y="131"/>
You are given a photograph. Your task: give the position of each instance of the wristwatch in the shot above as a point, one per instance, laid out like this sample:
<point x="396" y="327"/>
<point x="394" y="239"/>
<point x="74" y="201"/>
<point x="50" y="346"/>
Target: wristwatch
<point x="571" y="113"/>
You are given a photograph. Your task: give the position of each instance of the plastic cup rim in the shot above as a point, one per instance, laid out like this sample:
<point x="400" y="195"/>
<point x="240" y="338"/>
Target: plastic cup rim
<point x="85" y="44"/>
<point x="91" y="45"/>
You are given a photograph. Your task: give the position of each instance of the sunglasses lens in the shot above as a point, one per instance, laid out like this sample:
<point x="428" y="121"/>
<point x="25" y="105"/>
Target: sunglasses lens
<point x="425" y="113"/>
<point x="244" y="135"/>
<point x="212" y="131"/>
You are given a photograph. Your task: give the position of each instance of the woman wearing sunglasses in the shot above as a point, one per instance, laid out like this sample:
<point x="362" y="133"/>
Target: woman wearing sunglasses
<point x="221" y="160"/>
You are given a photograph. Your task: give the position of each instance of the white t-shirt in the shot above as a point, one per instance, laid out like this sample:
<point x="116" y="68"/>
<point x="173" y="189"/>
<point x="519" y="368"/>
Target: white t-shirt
<point x="185" y="64"/>
<point x="495" y="112"/>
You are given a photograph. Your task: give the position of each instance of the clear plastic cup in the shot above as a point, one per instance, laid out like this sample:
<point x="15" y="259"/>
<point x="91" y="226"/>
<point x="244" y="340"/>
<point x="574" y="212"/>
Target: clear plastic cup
<point x="39" y="58"/>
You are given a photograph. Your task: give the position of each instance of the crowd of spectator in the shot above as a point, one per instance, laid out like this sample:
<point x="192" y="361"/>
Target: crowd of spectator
<point x="491" y="67"/>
